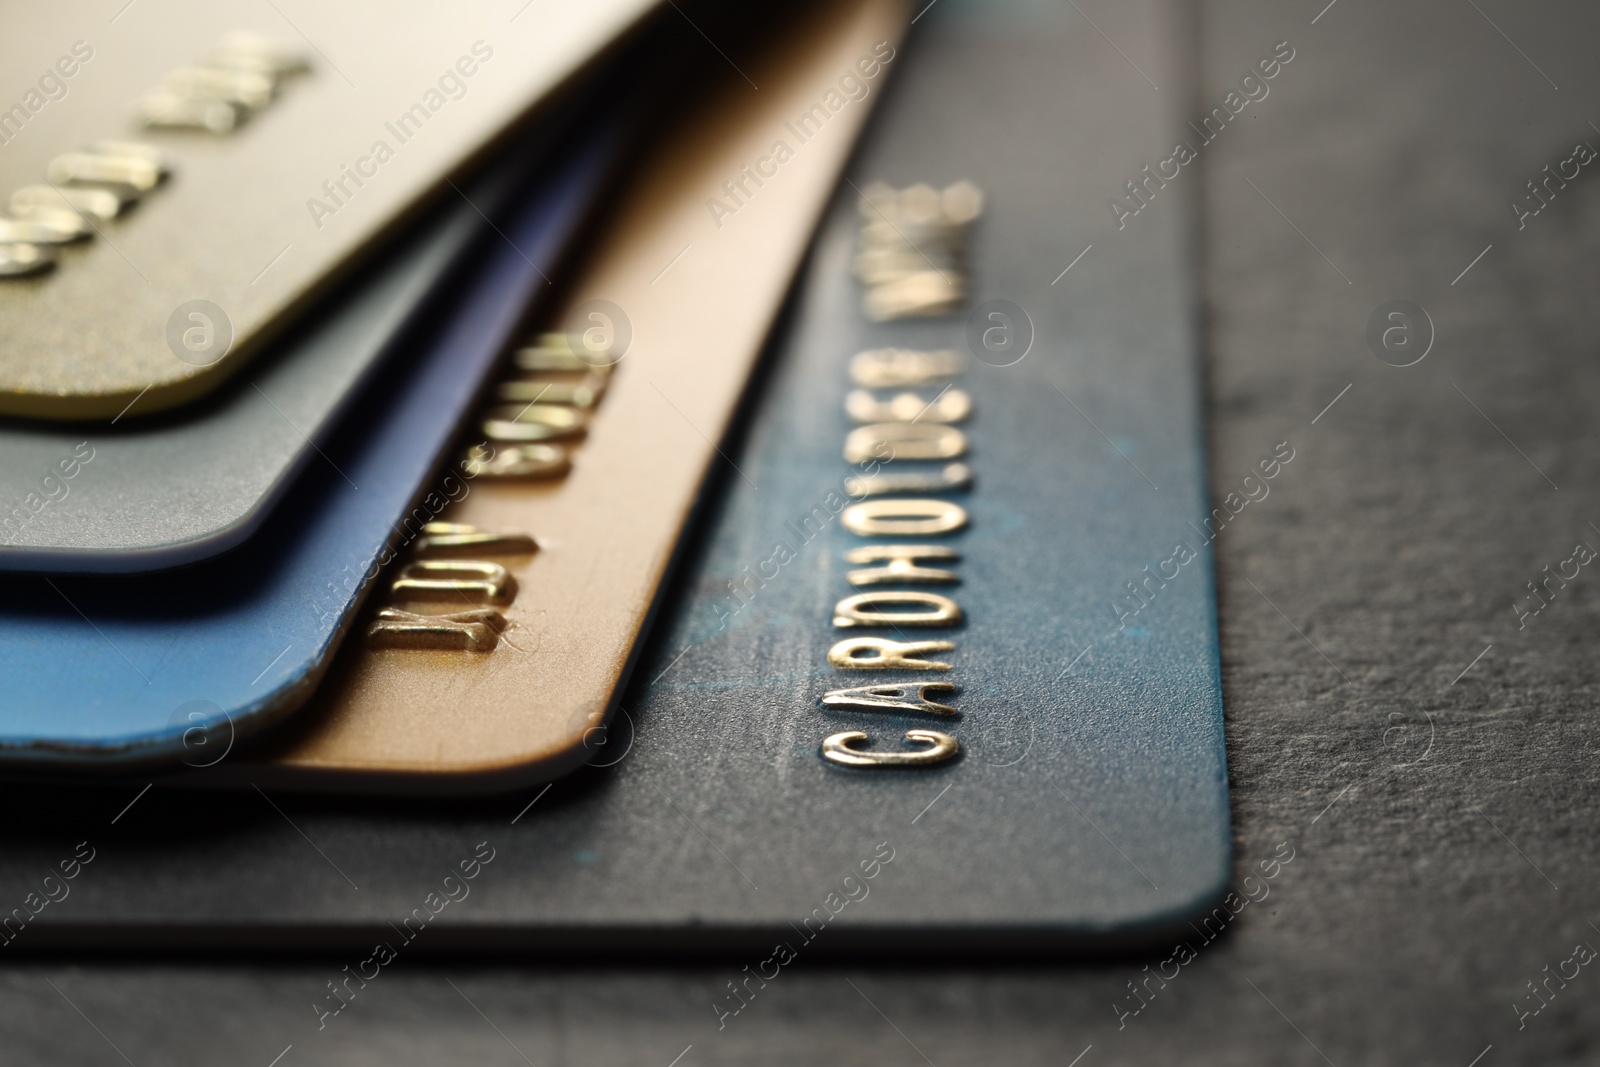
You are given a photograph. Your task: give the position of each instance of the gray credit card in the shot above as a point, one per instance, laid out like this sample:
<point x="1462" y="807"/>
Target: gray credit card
<point x="132" y="495"/>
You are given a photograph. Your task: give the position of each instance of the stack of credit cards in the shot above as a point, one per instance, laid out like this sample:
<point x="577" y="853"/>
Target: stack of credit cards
<point x="657" y="425"/>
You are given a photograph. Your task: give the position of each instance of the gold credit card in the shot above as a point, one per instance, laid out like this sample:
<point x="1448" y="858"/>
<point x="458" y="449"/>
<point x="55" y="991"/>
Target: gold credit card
<point x="504" y="630"/>
<point x="175" y="179"/>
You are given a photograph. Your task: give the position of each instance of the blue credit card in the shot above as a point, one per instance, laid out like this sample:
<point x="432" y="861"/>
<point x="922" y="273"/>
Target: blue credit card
<point x="112" y="671"/>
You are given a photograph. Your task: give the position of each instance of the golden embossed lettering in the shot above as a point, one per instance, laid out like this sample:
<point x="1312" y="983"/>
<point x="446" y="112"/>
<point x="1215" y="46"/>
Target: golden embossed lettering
<point x="950" y="476"/>
<point x="92" y="168"/>
<point x="906" y="441"/>
<point x="250" y="90"/>
<point x="913" y="248"/>
<point x="505" y="431"/>
<point x="469" y="580"/>
<point x="904" y="518"/>
<point x="19" y="260"/>
<point x="101" y="202"/>
<point x="557" y="416"/>
<point x="44" y="228"/>
<point x="554" y="352"/>
<point x="864" y="609"/>
<point x="882" y="654"/>
<point x="905" y="696"/>
<point x="841" y="748"/>
<point x="885" y="368"/>
<point x="456" y="540"/>
<point x="901" y="564"/>
<point x="949" y="405"/>
<point x="463" y="631"/>
<point x="530" y="461"/>
<point x="580" y="394"/>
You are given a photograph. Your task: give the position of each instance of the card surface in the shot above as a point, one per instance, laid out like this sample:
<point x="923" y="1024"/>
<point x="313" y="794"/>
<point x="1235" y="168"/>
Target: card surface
<point x="141" y="495"/>
<point x="282" y="156"/>
<point x="111" y="670"/>
<point x="427" y="699"/>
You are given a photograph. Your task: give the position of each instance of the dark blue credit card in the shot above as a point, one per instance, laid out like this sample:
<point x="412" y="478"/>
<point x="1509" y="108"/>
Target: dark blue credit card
<point x="955" y="604"/>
